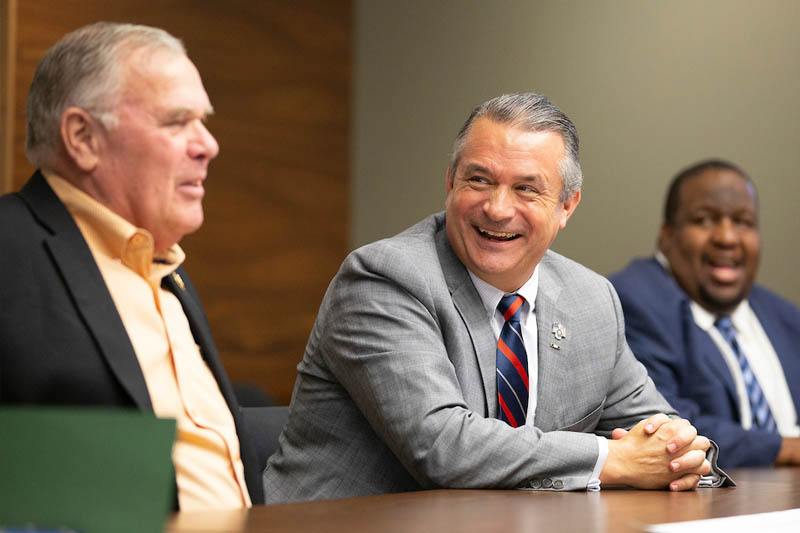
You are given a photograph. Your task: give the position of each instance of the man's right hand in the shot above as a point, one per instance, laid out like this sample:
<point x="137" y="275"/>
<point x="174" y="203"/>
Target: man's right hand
<point x="789" y="454"/>
<point x="656" y="453"/>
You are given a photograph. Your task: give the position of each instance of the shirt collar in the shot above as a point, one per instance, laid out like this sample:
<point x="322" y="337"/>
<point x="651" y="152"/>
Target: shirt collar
<point x="663" y="261"/>
<point x="491" y="295"/>
<point x="118" y="238"/>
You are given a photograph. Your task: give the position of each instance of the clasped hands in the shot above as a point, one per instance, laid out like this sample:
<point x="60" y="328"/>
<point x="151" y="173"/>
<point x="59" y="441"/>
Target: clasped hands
<point x="657" y="452"/>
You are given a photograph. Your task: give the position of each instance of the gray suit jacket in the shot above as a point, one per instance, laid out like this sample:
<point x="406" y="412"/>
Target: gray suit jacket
<point x="397" y="391"/>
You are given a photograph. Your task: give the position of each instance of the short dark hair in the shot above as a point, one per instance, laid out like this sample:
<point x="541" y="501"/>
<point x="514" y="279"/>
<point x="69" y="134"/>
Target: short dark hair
<point x="673" y="192"/>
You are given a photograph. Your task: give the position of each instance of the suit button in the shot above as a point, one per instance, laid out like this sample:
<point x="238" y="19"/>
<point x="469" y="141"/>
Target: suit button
<point x="547" y="483"/>
<point x="558" y="484"/>
<point x="536" y="484"/>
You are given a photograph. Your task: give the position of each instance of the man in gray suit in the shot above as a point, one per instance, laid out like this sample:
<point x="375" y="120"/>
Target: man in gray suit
<point x="413" y="378"/>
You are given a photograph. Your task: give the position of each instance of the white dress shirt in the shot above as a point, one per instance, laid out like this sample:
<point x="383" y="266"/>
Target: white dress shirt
<point x="763" y="361"/>
<point x="491" y="296"/>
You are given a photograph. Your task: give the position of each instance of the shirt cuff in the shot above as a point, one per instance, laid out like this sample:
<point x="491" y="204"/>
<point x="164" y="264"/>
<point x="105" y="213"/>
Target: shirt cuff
<point x="594" y="480"/>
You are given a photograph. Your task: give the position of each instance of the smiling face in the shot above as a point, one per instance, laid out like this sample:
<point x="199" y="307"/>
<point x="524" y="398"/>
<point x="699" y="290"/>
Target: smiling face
<point x="152" y="165"/>
<point x="502" y="208"/>
<point x="713" y="244"/>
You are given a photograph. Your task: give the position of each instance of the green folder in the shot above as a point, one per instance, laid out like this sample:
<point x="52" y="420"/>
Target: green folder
<point x="86" y="470"/>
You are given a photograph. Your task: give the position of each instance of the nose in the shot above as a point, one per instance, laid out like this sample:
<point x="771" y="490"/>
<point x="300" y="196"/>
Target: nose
<point x="725" y="233"/>
<point x="203" y="145"/>
<point x="499" y="205"/>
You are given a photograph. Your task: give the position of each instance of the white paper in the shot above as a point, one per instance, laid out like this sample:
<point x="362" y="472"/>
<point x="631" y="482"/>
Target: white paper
<point x="775" y="522"/>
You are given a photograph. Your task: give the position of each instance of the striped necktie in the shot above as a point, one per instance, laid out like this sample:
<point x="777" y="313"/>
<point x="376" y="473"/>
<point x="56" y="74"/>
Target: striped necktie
<point x="762" y="416"/>
<point x="512" y="364"/>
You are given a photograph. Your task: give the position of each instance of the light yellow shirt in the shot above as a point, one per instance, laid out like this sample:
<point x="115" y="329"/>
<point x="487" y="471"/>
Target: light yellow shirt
<point x="208" y="466"/>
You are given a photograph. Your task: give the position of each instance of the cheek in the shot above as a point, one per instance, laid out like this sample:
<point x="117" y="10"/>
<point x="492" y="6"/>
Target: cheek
<point x="752" y="244"/>
<point x="690" y="244"/>
<point x="458" y="203"/>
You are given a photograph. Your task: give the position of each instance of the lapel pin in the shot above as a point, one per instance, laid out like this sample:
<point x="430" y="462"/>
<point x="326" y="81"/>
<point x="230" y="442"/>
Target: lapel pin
<point x="178" y="281"/>
<point x="559" y="331"/>
<point x="554" y="345"/>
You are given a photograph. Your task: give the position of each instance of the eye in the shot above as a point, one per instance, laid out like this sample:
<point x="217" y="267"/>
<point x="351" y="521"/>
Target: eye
<point x="702" y="219"/>
<point x="745" y="221"/>
<point x="477" y="182"/>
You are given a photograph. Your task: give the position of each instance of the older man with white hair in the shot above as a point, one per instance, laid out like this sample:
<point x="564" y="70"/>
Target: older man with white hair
<point x="96" y="307"/>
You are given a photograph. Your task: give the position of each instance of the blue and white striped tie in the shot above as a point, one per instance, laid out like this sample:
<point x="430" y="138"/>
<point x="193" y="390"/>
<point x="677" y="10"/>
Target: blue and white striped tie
<point x="762" y="416"/>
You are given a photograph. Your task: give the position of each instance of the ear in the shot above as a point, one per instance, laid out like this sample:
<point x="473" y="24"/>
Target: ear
<point x="568" y="207"/>
<point x="448" y="180"/>
<point x="664" y="238"/>
<point x="80" y="134"/>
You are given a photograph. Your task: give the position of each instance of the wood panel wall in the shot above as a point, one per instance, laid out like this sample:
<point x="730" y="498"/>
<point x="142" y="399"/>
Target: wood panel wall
<point x="8" y="19"/>
<point x="278" y="74"/>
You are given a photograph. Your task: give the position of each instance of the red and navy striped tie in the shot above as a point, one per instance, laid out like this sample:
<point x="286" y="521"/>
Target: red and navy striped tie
<point x="512" y="364"/>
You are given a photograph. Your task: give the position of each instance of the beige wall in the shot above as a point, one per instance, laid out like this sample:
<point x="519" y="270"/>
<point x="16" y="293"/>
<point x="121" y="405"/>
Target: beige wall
<point x="652" y="87"/>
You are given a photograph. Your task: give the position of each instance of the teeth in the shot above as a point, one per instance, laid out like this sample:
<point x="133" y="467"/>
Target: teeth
<point x="498" y="234"/>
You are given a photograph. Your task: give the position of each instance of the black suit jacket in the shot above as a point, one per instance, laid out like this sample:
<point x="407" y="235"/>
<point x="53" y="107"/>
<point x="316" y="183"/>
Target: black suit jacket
<point x="62" y="341"/>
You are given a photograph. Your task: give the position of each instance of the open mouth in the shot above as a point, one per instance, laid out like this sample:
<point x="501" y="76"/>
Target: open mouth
<point x="724" y="270"/>
<point x="497" y="235"/>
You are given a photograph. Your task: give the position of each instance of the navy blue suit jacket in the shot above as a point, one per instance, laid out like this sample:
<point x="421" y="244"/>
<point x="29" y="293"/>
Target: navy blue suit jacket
<point x="686" y="365"/>
<point x="62" y="341"/>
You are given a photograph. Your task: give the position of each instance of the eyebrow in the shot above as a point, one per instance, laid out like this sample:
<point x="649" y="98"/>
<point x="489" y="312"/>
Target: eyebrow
<point x="183" y="112"/>
<point x="474" y="167"/>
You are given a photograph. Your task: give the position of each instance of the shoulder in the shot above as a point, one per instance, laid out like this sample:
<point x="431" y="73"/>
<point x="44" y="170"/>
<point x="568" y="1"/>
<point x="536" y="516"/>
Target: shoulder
<point x="763" y="301"/>
<point x="18" y="224"/>
<point x="410" y="253"/>
<point x="639" y="272"/>
<point x="646" y="281"/>
<point x="12" y="208"/>
<point x="564" y="268"/>
<point x="569" y="273"/>
<point x="571" y="283"/>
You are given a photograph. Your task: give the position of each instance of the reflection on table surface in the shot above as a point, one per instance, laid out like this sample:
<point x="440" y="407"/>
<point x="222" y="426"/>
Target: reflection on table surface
<point x="464" y="511"/>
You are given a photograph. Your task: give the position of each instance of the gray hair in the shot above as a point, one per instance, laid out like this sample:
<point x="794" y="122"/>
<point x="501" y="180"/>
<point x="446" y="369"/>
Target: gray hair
<point x="531" y="112"/>
<point x="84" y="69"/>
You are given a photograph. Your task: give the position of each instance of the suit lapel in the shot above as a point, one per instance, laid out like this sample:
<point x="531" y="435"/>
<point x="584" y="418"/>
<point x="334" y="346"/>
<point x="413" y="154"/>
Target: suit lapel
<point x="83" y="280"/>
<point x="701" y="343"/>
<point x="201" y="332"/>
<point x="181" y="286"/>
<point x="775" y="329"/>
<point x="470" y="306"/>
<point x="555" y="356"/>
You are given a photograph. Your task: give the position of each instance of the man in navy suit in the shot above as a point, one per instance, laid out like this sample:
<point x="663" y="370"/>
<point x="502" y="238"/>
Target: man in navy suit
<point x="723" y="351"/>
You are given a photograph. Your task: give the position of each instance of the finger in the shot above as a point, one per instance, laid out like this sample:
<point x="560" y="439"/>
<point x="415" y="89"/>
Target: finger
<point x="618" y="433"/>
<point x="701" y="443"/>
<point x="652" y="424"/>
<point x="685" y="436"/>
<point x="687" y="482"/>
<point x="691" y="461"/>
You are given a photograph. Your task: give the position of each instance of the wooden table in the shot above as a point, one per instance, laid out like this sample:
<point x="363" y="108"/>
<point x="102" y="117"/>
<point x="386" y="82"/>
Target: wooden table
<point x="465" y="511"/>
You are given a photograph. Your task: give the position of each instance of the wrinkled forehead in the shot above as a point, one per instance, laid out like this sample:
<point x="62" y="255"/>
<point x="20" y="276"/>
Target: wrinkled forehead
<point x="166" y="77"/>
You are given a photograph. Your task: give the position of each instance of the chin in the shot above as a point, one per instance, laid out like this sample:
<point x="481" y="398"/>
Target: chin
<point x="726" y="300"/>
